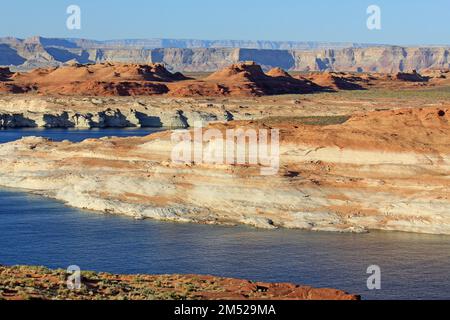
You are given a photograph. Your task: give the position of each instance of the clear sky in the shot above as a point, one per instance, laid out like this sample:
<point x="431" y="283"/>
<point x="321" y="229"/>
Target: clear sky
<point x="403" y="21"/>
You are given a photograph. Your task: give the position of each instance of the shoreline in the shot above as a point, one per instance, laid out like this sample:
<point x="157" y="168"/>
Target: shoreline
<point x="28" y="192"/>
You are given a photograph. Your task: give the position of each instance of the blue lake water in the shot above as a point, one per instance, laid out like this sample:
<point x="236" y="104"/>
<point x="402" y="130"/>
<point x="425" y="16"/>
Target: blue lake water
<point x="74" y="135"/>
<point x="38" y="231"/>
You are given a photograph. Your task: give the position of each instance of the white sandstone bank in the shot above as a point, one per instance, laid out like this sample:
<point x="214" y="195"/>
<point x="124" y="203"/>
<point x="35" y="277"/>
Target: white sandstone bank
<point x="351" y="177"/>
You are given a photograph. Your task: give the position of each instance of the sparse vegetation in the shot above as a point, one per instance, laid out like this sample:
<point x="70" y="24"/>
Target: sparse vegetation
<point x="439" y="93"/>
<point x="31" y="283"/>
<point x="313" y="120"/>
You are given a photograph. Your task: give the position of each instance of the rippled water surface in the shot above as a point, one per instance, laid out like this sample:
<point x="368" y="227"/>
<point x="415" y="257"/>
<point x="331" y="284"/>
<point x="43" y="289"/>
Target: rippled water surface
<point x="37" y="231"/>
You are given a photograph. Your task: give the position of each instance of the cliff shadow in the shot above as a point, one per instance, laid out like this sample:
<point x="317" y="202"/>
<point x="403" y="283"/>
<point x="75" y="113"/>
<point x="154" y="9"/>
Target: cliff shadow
<point x="9" y="56"/>
<point x="157" y="55"/>
<point x="113" y="119"/>
<point x="63" y="55"/>
<point x="148" y="121"/>
<point x="58" y="121"/>
<point x="323" y="64"/>
<point x="343" y="84"/>
<point x="16" y="121"/>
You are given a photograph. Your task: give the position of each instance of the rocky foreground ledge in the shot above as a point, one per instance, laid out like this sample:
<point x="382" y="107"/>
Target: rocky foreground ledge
<point x="23" y="283"/>
<point x="386" y="170"/>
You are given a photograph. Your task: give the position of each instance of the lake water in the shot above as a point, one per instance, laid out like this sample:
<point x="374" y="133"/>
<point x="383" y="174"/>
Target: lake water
<point x="74" y="135"/>
<point x="38" y="231"/>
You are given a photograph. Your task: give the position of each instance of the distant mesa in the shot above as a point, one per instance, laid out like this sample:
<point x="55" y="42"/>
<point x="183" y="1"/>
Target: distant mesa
<point x="210" y="56"/>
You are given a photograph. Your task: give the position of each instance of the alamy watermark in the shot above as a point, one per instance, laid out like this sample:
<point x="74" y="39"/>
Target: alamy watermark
<point x="74" y="279"/>
<point x="237" y="146"/>
<point x="374" y="19"/>
<point x="73" y="21"/>
<point x="374" y="280"/>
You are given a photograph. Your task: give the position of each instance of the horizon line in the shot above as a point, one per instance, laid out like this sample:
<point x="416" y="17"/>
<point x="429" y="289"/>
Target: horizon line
<point x="368" y="44"/>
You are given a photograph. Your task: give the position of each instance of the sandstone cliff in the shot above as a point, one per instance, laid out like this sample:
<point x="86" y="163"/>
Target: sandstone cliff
<point x="211" y="56"/>
<point x="385" y="170"/>
<point x="182" y="43"/>
<point x="31" y="110"/>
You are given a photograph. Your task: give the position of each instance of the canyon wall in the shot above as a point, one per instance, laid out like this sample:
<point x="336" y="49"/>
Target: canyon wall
<point x="182" y="43"/>
<point x="206" y="57"/>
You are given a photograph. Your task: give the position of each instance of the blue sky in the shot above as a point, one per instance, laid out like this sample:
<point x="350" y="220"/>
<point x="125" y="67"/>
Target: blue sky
<point x="403" y="21"/>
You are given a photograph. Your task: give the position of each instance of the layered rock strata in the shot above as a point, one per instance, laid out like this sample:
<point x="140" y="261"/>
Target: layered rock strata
<point x="385" y="170"/>
<point x="201" y="56"/>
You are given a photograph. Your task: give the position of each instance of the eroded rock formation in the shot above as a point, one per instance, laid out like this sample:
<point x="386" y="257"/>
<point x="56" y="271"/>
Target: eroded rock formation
<point x="243" y="79"/>
<point x="385" y="170"/>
